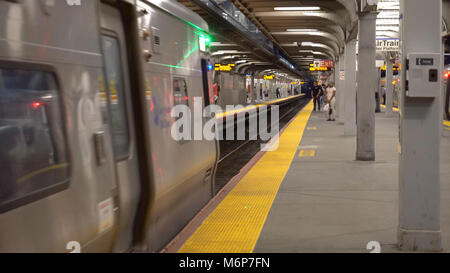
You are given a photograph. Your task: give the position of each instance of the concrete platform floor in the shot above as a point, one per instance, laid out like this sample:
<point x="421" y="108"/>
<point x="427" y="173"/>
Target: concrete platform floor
<point x="331" y="203"/>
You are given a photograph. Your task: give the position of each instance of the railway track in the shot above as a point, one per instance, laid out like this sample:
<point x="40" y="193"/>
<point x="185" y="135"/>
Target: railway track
<point x="236" y="154"/>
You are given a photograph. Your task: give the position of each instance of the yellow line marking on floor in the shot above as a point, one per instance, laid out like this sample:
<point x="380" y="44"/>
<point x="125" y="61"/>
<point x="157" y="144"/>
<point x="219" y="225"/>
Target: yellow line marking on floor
<point x="235" y="225"/>
<point x="307" y="153"/>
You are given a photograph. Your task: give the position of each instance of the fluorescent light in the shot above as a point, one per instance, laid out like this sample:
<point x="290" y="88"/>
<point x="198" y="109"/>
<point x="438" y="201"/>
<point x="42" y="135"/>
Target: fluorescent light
<point x="301" y="30"/>
<point x="296" y="8"/>
<point x="241" y="62"/>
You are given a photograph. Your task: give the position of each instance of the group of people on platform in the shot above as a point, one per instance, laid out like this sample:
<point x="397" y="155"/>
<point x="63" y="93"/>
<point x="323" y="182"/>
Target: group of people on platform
<point x="326" y="96"/>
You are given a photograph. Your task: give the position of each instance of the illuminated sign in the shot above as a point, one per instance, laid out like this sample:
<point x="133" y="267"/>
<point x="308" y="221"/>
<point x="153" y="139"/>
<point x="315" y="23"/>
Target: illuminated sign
<point x="227" y="67"/>
<point x="269" y="77"/>
<point x="323" y="63"/>
<point x="318" y="69"/>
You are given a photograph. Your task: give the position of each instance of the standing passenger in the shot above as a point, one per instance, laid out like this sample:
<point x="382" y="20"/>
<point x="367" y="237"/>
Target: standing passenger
<point x="316" y="93"/>
<point x="331" y="100"/>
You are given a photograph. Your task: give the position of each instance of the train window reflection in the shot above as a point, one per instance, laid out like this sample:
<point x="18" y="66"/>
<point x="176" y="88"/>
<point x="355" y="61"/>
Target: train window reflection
<point x="33" y="147"/>
<point x="180" y="93"/>
<point x="114" y="78"/>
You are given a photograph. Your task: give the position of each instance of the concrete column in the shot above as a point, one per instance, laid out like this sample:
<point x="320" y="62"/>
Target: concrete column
<point x="335" y="74"/>
<point x="336" y="70"/>
<point x="252" y="88"/>
<point x="340" y="93"/>
<point x="378" y="93"/>
<point x="420" y="137"/>
<point x="389" y="87"/>
<point x="367" y="84"/>
<point x="350" y="89"/>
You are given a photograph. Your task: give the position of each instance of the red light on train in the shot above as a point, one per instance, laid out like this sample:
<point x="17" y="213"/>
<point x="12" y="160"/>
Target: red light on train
<point x="446" y="75"/>
<point x="36" y="105"/>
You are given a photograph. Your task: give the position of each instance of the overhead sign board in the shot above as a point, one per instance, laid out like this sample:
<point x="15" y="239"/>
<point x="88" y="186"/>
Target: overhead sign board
<point x="318" y="68"/>
<point x="324" y="63"/>
<point x="269" y="77"/>
<point x="226" y="67"/>
<point x="384" y="45"/>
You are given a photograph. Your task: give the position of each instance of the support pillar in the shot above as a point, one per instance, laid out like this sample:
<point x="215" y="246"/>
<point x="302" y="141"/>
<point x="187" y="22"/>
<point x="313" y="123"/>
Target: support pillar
<point x="389" y="87"/>
<point x="378" y="93"/>
<point x="350" y="89"/>
<point x="367" y="84"/>
<point x="336" y="77"/>
<point x="340" y="94"/>
<point x="252" y="88"/>
<point x="420" y="127"/>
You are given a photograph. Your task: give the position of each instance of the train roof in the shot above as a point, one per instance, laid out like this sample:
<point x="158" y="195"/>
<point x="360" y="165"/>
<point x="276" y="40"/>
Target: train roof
<point x="178" y="10"/>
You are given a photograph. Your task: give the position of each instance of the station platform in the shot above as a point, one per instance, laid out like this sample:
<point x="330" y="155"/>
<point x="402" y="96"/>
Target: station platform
<point x="310" y="195"/>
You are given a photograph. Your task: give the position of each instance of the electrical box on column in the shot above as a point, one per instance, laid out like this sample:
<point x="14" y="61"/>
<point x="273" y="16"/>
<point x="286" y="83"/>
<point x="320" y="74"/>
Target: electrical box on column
<point x="423" y="75"/>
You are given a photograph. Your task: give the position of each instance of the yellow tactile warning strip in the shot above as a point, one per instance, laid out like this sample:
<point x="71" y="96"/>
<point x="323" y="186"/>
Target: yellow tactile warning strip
<point x="235" y="225"/>
<point x="307" y="153"/>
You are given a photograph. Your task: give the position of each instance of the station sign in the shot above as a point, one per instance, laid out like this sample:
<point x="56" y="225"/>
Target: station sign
<point x="269" y="77"/>
<point x="385" y="45"/>
<point x="226" y="67"/>
<point x="324" y="63"/>
<point x="322" y="68"/>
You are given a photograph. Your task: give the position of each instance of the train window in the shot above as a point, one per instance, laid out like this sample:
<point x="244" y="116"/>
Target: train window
<point x="116" y="95"/>
<point x="34" y="161"/>
<point x="180" y="92"/>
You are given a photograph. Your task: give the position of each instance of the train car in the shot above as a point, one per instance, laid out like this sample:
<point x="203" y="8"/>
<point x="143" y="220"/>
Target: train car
<point x="86" y="153"/>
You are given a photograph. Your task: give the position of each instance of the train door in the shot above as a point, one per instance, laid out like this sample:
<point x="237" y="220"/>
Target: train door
<point x="120" y="109"/>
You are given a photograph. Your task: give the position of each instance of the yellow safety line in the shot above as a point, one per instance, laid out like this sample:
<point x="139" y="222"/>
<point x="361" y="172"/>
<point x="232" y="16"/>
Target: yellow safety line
<point x="447" y="123"/>
<point x="235" y="225"/>
<point x="224" y="114"/>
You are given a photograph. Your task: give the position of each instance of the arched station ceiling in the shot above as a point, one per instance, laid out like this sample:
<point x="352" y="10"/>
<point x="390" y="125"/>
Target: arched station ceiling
<point x="302" y="29"/>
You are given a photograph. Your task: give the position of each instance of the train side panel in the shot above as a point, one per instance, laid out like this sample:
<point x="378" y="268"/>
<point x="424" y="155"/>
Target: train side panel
<point x="183" y="170"/>
<point x="60" y="193"/>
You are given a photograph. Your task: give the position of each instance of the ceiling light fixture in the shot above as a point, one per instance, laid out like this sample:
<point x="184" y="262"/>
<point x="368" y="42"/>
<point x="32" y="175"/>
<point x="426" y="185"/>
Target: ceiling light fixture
<point x="301" y="30"/>
<point x="296" y="8"/>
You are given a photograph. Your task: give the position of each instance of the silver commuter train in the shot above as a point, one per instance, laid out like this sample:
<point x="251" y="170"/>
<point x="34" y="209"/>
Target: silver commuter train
<point x="86" y="153"/>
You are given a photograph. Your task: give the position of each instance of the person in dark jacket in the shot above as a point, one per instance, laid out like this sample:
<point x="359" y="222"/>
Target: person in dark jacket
<point x="317" y="92"/>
